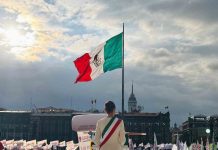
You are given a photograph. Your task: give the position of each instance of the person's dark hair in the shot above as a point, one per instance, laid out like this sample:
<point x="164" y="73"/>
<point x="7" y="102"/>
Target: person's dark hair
<point x="109" y="106"/>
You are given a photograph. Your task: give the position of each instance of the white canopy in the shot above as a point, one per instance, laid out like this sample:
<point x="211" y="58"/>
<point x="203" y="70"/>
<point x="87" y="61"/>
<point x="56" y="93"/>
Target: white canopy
<point x="86" y="122"/>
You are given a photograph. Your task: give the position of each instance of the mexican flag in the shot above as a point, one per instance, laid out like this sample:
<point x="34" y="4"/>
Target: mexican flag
<point x="105" y="57"/>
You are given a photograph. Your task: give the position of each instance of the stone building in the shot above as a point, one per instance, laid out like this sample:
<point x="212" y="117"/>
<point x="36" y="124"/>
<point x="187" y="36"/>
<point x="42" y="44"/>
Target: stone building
<point x="15" y="125"/>
<point x="149" y="123"/>
<point x="194" y="129"/>
<point x="55" y="124"/>
<point x="51" y="126"/>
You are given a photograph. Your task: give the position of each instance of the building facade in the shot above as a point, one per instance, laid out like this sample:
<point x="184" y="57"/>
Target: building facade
<point x="51" y="125"/>
<point x="149" y="123"/>
<point x="213" y="123"/>
<point x="47" y="124"/>
<point x="15" y="125"/>
<point x="194" y="129"/>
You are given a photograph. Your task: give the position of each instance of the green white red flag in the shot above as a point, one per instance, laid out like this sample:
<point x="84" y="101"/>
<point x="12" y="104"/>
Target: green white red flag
<point x="105" y="57"/>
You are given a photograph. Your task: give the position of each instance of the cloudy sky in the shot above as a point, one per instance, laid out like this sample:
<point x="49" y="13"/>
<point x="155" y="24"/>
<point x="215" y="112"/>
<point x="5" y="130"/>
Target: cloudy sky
<point x="171" y="51"/>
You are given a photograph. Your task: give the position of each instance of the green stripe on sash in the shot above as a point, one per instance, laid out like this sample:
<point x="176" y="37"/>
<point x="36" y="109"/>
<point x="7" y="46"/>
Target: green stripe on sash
<point x="107" y="126"/>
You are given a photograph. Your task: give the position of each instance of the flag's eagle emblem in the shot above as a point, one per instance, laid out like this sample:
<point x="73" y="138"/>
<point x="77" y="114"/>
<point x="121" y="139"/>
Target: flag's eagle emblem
<point x="97" y="60"/>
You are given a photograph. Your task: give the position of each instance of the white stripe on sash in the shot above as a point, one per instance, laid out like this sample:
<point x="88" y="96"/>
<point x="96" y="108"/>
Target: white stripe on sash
<point x="109" y="129"/>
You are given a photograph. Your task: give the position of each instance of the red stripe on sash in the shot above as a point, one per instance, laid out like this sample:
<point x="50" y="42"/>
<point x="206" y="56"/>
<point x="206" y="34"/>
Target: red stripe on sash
<point x="110" y="133"/>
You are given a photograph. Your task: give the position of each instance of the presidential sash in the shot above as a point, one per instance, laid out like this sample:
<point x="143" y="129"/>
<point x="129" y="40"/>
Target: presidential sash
<point x="109" y="129"/>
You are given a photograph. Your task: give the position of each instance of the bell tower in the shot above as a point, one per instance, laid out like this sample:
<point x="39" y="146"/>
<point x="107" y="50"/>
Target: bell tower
<point x="132" y="103"/>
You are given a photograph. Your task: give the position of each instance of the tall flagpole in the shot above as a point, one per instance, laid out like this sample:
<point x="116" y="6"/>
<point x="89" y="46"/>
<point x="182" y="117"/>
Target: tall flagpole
<point x="123" y="74"/>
